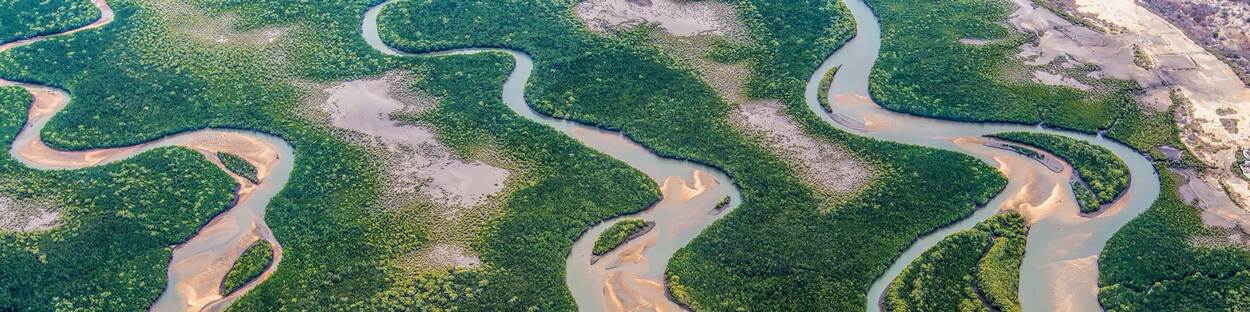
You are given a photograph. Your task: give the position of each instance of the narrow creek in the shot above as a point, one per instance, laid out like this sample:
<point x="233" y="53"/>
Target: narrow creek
<point x="1060" y="270"/>
<point x="200" y="264"/>
<point x="632" y="276"/>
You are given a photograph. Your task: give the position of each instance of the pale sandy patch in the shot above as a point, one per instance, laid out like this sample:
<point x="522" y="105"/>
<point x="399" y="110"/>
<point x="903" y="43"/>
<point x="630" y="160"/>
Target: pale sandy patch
<point x="442" y="256"/>
<point x="27" y="215"/>
<point x="977" y="41"/>
<point x="1047" y="78"/>
<point x="827" y="166"/>
<point x="417" y="162"/>
<point x="1215" y="112"/>
<point x="681" y="18"/>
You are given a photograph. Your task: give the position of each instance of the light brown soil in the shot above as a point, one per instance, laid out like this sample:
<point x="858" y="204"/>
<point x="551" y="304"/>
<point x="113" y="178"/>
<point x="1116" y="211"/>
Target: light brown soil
<point x="417" y="162"/>
<point x="827" y="166"/>
<point x="196" y="24"/>
<point x="1216" y="109"/>
<point x="26" y="215"/>
<point x="681" y="18"/>
<point x="729" y="80"/>
<point x="1219" y="25"/>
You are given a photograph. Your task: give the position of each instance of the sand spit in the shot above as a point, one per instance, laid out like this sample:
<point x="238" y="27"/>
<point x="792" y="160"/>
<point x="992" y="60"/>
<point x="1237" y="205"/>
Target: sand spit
<point x="1216" y="107"/>
<point x="417" y="162"/>
<point x="26" y="215"/>
<point x="1039" y="191"/>
<point x="827" y="166"/>
<point x="681" y="18"/>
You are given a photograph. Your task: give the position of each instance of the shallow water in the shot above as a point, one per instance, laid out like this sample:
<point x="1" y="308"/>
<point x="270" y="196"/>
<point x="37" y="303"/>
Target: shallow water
<point x="631" y="277"/>
<point x="198" y="265"/>
<point x="1059" y="272"/>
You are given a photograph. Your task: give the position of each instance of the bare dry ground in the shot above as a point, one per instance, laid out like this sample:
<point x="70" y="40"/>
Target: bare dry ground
<point x="1222" y="26"/>
<point x="25" y="215"/>
<point x="1213" y="103"/>
<point x="681" y="18"/>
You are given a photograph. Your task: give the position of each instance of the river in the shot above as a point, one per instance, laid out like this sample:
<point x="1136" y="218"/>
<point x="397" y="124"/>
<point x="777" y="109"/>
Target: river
<point x="1060" y="271"/>
<point x="200" y="264"/>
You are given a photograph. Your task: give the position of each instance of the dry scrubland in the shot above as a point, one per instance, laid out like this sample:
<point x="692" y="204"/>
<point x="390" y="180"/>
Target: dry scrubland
<point x="1219" y="25"/>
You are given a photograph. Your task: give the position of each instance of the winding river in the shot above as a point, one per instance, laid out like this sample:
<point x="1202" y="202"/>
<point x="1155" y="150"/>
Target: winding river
<point x="1060" y="270"/>
<point x="631" y="277"/>
<point x="200" y="264"/>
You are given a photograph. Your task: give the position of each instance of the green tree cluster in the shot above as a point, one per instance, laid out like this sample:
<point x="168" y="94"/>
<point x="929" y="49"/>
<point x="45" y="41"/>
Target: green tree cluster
<point x="1154" y="263"/>
<point x="238" y="165"/>
<point x="1103" y="175"/>
<point x="976" y="269"/>
<point x="31" y="18"/>
<point x="249" y="266"/>
<point x="618" y="234"/>
<point x="777" y="243"/>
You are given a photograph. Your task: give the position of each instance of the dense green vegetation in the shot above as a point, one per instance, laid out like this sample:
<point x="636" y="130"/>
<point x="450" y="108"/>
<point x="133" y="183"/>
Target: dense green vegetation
<point x="776" y="244"/>
<point x="30" y="18"/>
<point x="145" y="75"/>
<point x="925" y="70"/>
<point x="618" y="234"/>
<point x="982" y="262"/>
<point x="1103" y="175"/>
<point x="823" y="92"/>
<point x="117" y="222"/>
<point x="250" y="265"/>
<point x="238" y="165"/>
<point x="1156" y="263"/>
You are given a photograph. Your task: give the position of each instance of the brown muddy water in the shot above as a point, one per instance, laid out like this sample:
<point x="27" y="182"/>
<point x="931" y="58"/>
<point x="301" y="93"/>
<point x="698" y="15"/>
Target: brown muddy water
<point x="630" y="278"/>
<point x="200" y="264"/>
<point x="1059" y="272"/>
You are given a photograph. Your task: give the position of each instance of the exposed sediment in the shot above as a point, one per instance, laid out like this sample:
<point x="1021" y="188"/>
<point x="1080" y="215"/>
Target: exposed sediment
<point x="1213" y="113"/>
<point x="827" y="166"/>
<point x="199" y="265"/>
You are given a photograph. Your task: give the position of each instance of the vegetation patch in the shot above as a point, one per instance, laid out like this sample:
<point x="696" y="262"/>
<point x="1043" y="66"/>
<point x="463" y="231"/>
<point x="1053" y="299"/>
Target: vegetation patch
<point x="925" y="70"/>
<point x="615" y="83"/>
<point x="619" y="233"/>
<point x="32" y="18"/>
<point x="112" y="241"/>
<point x="1103" y="176"/>
<point x="1151" y="264"/>
<point x="976" y="269"/>
<point x="250" y="265"/>
<point x="239" y="166"/>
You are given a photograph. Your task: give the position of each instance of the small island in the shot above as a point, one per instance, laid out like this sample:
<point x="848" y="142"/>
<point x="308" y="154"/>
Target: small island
<point x="620" y="233"/>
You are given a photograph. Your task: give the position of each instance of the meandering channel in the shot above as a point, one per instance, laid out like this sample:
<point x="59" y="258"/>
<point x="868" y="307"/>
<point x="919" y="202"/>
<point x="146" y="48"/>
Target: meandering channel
<point x="200" y="264"/>
<point x="1060" y="271"/>
<point x="632" y="276"/>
